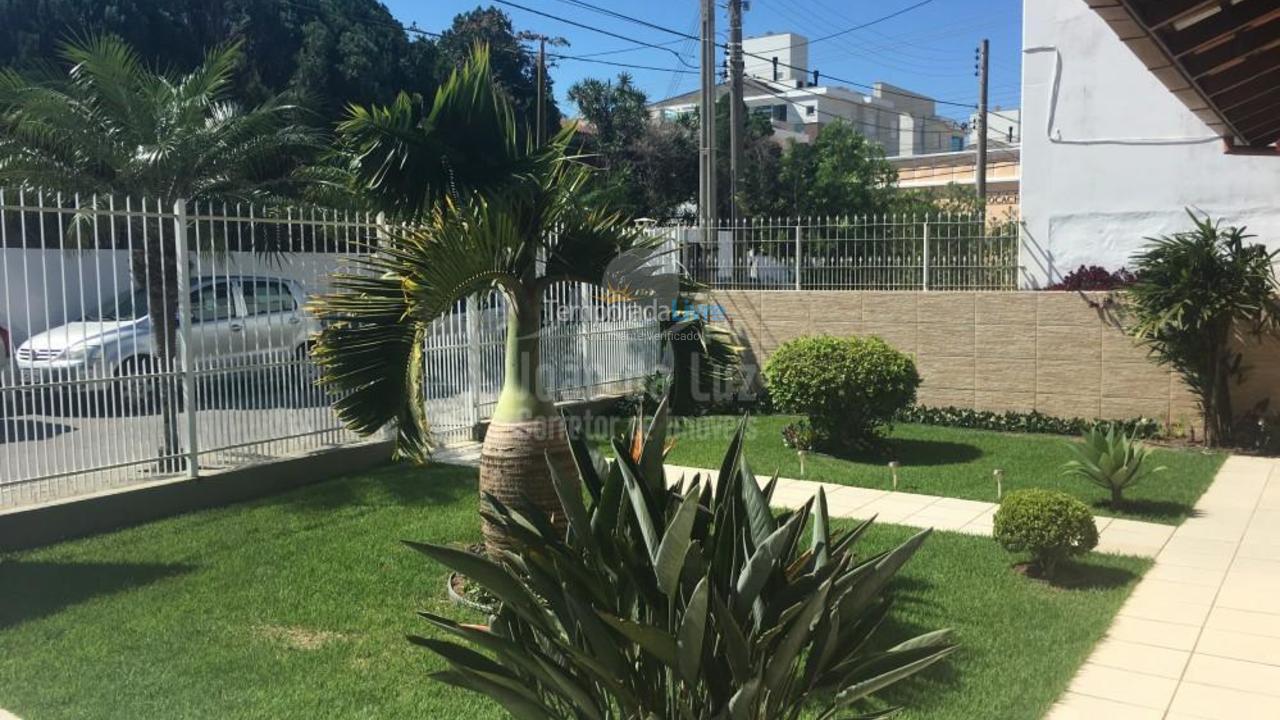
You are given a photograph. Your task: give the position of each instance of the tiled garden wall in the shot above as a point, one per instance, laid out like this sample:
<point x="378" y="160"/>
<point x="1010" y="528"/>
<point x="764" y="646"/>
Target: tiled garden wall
<point x="1047" y="351"/>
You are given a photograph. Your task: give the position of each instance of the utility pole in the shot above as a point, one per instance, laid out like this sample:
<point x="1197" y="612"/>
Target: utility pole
<point x="980" y="177"/>
<point x="707" y="118"/>
<point x="737" y="128"/>
<point x="540" y="124"/>
<point x="540" y="103"/>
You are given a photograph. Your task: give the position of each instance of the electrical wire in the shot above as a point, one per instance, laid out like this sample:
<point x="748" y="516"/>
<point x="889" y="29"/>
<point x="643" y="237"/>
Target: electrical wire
<point x="577" y="24"/>
<point x="646" y="23"/>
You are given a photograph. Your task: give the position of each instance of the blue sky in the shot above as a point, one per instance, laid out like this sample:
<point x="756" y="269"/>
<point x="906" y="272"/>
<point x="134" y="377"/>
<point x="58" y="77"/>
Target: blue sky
<point x="928" y="49"/>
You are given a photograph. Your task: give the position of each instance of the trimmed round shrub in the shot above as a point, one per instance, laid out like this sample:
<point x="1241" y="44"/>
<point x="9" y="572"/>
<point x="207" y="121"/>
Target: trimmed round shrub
<point x="848" y="387"/>
<point x="1050" y="525"/>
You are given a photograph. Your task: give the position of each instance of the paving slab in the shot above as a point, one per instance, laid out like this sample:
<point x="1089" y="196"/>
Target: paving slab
<point x="974" y="517"/>
<point x="1206" y="617"/>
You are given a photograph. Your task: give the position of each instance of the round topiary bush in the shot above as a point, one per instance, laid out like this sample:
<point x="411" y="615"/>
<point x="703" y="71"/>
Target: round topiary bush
<point x="848" y="387"/>
<point x="1050" y="525"/>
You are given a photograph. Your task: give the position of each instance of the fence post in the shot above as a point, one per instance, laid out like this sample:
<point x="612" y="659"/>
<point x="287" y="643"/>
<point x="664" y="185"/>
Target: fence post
<point x="924" y="275"/>
<point x="473" y="360"/>
<point x="184" y="336"/>
<point x="798" y="250"/>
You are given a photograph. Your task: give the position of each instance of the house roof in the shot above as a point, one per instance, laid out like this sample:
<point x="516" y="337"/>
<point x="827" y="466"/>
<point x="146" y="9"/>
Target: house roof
<point x="1220" y="57"/>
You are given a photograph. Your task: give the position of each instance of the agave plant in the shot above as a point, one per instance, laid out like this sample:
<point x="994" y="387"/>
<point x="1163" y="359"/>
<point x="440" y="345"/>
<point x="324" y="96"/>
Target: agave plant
<point x="684" y="601"/>
<point x="1111" y="460"/>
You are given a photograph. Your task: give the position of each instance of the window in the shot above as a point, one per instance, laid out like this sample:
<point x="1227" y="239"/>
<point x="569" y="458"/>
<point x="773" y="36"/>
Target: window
<point x="263" y="297"/>
<point x="212" y="303"/>
<point x="780" y="113"/>
<point x="809" y="110"/>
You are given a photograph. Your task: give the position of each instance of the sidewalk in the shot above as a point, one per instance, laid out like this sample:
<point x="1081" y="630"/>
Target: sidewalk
<point x="1200" y="636"/>
<point x="1115" y="535"/>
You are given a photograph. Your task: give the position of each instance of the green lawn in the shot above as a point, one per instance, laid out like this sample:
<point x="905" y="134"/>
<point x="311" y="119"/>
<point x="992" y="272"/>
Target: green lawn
<point x="953" y="462"/>
<point x="296" y="607"/>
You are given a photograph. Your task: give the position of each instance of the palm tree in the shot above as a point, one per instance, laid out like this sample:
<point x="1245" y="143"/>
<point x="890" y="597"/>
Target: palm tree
<point x="112" y="126"/>
<point x="486" y="213"/>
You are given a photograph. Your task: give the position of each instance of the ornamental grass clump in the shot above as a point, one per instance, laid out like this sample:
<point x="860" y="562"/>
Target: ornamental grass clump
<point x="685" y="601"/>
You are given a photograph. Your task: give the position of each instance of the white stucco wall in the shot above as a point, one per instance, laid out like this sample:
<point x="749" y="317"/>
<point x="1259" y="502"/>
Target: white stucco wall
<point x="1117" y="158"/>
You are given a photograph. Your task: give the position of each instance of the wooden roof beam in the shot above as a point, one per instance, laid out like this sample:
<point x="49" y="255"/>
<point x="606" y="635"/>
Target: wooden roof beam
<point x="1162" y="12"/>
<point x="1226" y="22"/>
<point x="1256" y="39"/>
<point x="1242" y="72"/>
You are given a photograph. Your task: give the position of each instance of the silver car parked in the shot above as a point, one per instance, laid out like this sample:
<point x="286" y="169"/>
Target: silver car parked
<point x="236" y="321"/>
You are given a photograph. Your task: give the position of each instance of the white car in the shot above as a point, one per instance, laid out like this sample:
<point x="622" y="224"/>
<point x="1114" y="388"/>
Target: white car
<point x="236" y="321"/>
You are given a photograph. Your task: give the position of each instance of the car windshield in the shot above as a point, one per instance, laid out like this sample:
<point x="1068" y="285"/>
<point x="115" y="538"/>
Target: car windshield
<point x="128" y="305"/>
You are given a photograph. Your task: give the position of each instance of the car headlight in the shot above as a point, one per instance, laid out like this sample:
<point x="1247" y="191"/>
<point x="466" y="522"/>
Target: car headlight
<point x="80" y="353"/>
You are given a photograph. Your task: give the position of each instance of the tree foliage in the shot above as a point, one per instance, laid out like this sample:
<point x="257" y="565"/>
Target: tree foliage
<point x="513" y="65"/>
<point x="1194" y="290"/>
<point x="651" y="170"/>
<point x="330" y="53"/>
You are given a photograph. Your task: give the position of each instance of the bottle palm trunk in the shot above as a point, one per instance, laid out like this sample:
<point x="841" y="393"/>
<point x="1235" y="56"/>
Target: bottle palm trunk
<point x="525" y="436"/>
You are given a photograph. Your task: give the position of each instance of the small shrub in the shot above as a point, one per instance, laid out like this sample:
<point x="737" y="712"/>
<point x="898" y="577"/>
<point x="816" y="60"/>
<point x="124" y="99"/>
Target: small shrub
<point x="1111" y="460"/>
<point x="678" y="602"/>
<point x="799" y="436"/>
<point x="1050" y="525"/>
<point x="1028" y="422"/>
<point x="1094" y="277"/>
<point x="848" y="387"/>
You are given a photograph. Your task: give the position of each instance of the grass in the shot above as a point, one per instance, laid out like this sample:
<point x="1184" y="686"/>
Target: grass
<point x="296" y="607"/>
<point x="953" y="462"/>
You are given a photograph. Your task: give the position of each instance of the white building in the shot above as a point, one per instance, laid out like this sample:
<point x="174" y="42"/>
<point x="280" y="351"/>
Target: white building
<point x="1118" y="140"/>
<point x="901" y="121"/>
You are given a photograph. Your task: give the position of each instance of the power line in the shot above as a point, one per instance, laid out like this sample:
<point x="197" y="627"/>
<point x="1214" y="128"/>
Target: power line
<point x="588" y="59"/>
<point x="598" y="30"/>
<point x="869" y="23"/>
<point x="646" y="23"/>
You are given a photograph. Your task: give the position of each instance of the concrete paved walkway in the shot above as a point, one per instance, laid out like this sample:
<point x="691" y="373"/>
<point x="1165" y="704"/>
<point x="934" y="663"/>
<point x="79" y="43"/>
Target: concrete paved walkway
<point x="1200" y="636"/>
<point x="1115" y="535"/>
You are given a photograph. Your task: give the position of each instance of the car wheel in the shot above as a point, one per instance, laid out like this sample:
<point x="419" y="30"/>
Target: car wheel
<point x="137" y="387"/>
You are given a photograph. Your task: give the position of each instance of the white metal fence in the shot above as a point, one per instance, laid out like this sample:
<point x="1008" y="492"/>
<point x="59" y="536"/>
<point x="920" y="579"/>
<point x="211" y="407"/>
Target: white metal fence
<point x="882" y="252"/>
<point x="84" y="376"/>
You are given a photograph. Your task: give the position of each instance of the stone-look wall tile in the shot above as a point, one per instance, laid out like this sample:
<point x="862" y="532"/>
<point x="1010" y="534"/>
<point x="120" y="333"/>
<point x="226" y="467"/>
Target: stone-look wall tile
<point x="834" y="305"/>
<point x="1005" y="309"/>
<point x="1068" y="376"/>
<point x="945" y="307"/>
<point x="1004" y="401"/>
<point x="1064" y="342"/>
<point x="1008" y="341"/>
<point x="785" y="306"/>
<point x="1064" y="308"/>
<point x="777" y="332"/>
<point x="946" y="340"/>
<point x="1018" y="351"/>
<point x="883" y="308"/>
<point x="901" y="336"/>
<point x="1119" y="347"/>
<point x="1135" y="380"/>
<point x="840" y="328"/>
<point x="1014" y="375"/>
<point x="1124" y="408"/>
<point x="950" y="373"/>
<point x="1073" y="405"/>
<point x="943" y="397"/>
<point x="1261" y="374"/>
